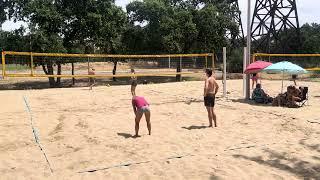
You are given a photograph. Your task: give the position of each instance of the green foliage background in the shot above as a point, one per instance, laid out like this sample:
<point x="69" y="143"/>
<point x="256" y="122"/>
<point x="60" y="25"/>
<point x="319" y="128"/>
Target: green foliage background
<point x="146" y="27"/>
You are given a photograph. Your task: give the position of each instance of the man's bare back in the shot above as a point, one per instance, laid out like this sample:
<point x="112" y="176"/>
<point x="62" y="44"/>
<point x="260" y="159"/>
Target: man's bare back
<point x="210" y="86"/>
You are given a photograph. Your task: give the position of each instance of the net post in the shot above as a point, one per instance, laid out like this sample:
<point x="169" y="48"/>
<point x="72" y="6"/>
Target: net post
<point x="213" y="61"/>
<point x="31" y="64"/>
<point x="224" y="72"/>
<point x="246" y="77"/>
<point x="88" y="65"/>
<point x="206" y="61"/>
<point x="244" y="67"/>
<point x="169" y="62"/>
<point x="178" y="76"/>
<point x="248" y="51"/>
<point x="3" y="64"/>
<point x="72" y="72"/>
<point x="88" y="69"/>
<point x="180" y="68"/>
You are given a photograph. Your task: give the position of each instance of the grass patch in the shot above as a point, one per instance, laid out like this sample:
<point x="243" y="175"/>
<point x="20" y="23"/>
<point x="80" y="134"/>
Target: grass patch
<point x="14" y="67"/>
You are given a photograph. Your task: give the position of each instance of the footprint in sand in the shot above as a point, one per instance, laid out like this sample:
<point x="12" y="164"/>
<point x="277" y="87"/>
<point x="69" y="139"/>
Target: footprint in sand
<point x="57" y="129"/>
<point x="91" y="140"/>
<point x="82" y="124"/>
<point x="59" y="126"/>
<point x="12" y="146"/>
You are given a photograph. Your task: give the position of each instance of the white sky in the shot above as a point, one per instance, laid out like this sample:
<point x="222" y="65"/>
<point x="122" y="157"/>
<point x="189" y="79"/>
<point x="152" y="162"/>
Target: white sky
<point x="308" y="12"/>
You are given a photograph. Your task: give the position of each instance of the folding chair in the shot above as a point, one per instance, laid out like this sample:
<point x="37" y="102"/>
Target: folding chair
<point x="304" y="95"/>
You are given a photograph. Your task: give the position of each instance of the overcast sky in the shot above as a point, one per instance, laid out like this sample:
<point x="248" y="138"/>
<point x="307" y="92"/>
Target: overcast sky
<point x="308" y="12"/>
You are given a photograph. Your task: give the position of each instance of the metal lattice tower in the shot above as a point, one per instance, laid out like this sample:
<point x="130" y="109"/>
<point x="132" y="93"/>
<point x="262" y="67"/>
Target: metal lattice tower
<point x="236" y="39"/>
<point x="270" y="18"/>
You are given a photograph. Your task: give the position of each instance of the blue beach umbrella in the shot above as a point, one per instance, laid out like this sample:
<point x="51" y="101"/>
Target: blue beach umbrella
<point x="285" y="67"/>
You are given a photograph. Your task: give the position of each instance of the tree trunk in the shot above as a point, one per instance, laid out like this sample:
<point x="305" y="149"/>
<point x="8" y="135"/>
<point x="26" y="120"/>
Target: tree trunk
<point x="49" y="71"/>
<point x="52" y="82"/>
<point x="114" y="69"/>
<point x="44" y="69"/>
<point x="72" y="72"/>
<point x="178" y="76"/>
<point x="58" y="82"/>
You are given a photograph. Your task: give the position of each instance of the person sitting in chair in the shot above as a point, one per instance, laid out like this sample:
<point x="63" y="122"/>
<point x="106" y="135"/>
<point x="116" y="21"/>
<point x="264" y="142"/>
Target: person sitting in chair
<point x="259" y="96"/>
<point x="293" y="97"/>
<point x="280" y="100"/>
<point x="303" y="95"/>
<point x="294" y="78"/>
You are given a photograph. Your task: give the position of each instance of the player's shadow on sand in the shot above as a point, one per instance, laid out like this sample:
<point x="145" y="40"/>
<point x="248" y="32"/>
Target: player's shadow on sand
<point x="251" y="102"/>
<point x="285" y="162"/>
<point x="125" y="135"/>
<point x="194" y="127"/>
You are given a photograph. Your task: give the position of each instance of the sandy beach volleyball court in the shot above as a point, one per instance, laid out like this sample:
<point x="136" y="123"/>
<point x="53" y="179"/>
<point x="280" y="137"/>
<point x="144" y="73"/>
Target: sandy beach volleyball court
<point x="82" y="131"/>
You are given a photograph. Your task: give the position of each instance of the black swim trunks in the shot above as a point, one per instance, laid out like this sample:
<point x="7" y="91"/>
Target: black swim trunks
<point x="209" y="101"/>
<point x="91" y="80"/>
<point x="134" y="83"/>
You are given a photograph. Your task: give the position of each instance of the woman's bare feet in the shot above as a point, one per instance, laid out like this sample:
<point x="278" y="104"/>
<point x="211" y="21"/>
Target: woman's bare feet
<point x="136" y="136"/>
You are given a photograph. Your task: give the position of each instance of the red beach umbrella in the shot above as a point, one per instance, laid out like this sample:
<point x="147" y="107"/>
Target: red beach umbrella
<point x="256" y="67"/>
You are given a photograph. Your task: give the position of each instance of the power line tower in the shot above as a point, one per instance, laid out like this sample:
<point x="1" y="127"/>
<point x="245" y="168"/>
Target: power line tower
<point x="236" y="38"/>
<point x="272" y="19"/>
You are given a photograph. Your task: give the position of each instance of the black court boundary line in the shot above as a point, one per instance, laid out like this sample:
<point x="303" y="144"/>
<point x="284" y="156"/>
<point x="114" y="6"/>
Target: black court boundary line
<point x="133" y="163"/>
<point x="35" y="134"/>
<point x="173" y="157"/>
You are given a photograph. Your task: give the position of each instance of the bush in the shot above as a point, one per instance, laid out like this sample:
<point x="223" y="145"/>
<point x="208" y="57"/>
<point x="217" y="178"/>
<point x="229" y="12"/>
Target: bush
<point x="234" y="62"/>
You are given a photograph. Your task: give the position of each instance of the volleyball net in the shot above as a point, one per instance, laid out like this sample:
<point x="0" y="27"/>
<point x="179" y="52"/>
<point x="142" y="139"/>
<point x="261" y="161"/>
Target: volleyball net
<point x="310" y="62"/>
<point x="30" y="64"/>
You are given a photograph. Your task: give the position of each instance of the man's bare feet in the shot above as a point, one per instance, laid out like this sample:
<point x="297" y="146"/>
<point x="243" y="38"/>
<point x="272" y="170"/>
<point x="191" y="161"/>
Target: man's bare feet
<point x="136" y="136"/>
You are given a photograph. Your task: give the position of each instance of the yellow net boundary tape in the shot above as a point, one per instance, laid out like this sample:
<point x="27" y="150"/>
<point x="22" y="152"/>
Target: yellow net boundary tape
<point x="313" y="69"/>
<point x="288" y="55"/>
<point x="104" y="55"/>
<point x="33" y="54"/>
<point x="96" y="76"/>
<point x="285" y="55"/>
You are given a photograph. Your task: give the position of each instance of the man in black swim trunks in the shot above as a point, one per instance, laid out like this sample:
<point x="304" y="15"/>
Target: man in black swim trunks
<point x="92" y="80"/>
<point x="210" y="90"/>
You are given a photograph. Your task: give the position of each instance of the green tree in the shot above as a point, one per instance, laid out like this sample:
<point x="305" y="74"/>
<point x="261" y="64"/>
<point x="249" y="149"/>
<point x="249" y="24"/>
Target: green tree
<point x="179" y="26"/>
<point x="134" y="40"/>
<point x="14" y="40"/>
<point x="98" y="25"/>
<point x="310" y="38"/>
<point x="149" y="13"/>
<point x="3" y="15"/>
<point x="291" y="43"/>
<point x="70" y="26"/>
<point x="179" y="32"/>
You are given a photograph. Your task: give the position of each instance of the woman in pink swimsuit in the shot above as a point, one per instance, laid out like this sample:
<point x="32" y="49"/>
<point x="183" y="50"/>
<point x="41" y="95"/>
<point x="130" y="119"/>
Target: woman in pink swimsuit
<point x="254" y="78"/>
<point x="141" y="106"/>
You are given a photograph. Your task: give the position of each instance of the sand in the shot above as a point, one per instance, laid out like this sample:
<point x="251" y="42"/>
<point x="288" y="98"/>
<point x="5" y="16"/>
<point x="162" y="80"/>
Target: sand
<point x="83" y="130"/>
